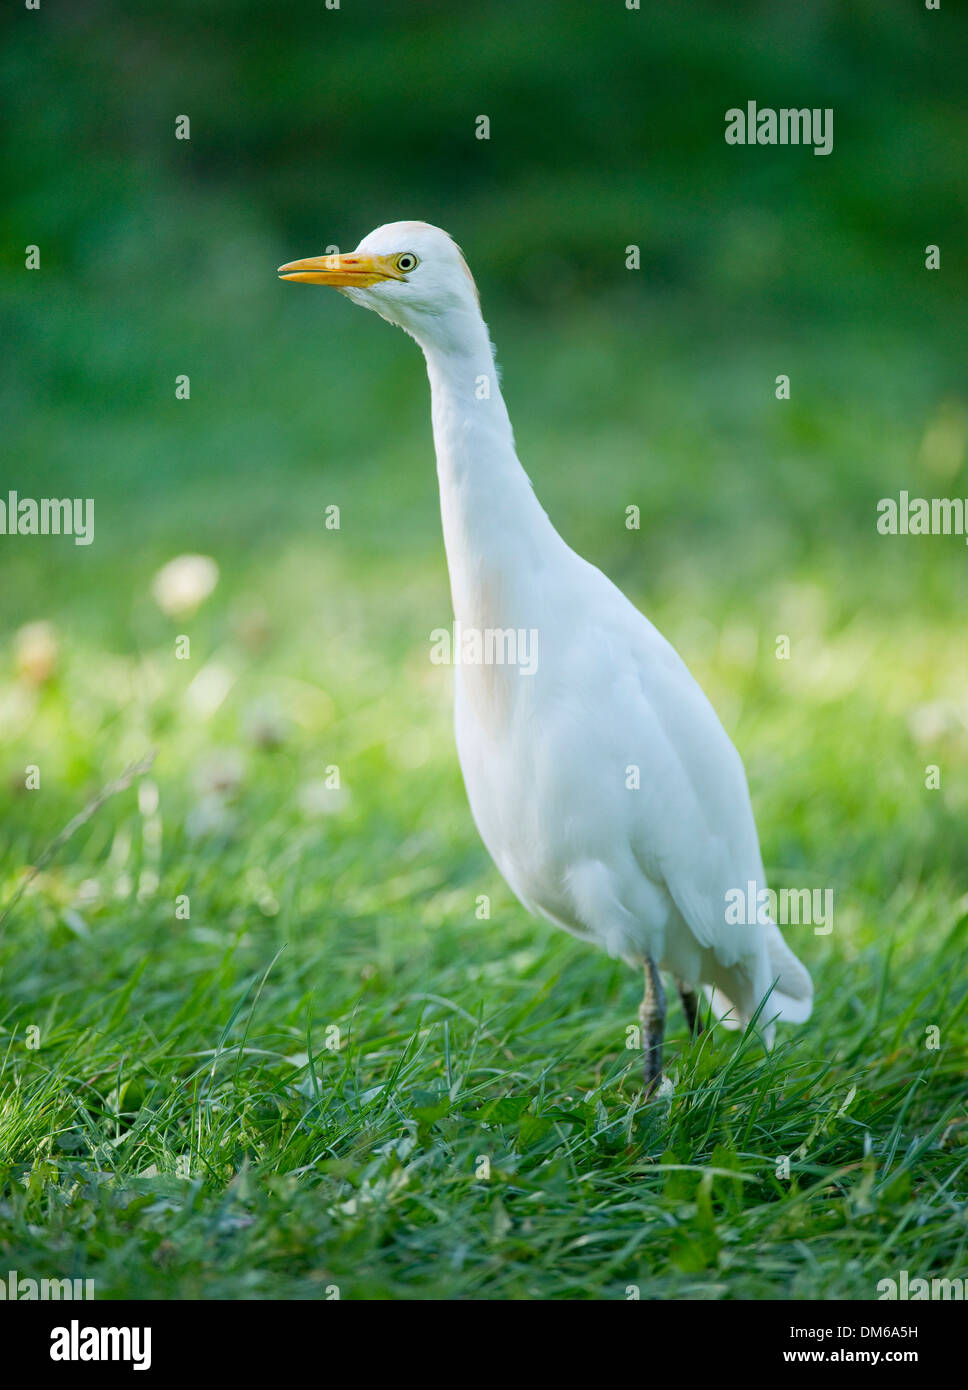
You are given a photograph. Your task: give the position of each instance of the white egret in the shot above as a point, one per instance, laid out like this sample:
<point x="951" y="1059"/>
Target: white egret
<point x="546" y="751"/>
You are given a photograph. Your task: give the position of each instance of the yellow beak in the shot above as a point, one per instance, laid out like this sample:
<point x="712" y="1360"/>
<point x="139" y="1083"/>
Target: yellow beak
<point x="343" y="272"/>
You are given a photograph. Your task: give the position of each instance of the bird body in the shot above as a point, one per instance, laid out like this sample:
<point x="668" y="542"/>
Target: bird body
<point x="600" y="778"/>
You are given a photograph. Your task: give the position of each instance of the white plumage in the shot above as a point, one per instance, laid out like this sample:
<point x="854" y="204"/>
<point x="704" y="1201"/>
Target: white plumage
<point x="549" y="758"/>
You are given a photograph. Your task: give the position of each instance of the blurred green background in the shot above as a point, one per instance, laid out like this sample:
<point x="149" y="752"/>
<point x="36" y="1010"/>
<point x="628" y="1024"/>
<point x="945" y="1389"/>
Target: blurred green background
<point x="652" y="387"/>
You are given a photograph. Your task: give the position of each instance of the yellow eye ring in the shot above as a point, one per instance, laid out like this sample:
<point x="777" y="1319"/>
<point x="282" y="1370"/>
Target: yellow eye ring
<point x="406" y="261"/>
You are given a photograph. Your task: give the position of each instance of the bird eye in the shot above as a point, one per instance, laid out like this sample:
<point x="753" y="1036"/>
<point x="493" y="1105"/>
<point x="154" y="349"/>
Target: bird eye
<point x="407" y="261"/>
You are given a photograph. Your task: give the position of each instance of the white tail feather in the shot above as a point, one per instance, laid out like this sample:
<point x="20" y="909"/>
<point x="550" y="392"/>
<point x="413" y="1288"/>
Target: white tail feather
<point x="790" y="1000"/>
<point x="793" y="993"/>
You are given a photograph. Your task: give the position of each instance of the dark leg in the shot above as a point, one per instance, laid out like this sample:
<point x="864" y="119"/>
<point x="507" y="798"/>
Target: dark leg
<point x="690" y="1004"/>
<point x="652" y="1014"/>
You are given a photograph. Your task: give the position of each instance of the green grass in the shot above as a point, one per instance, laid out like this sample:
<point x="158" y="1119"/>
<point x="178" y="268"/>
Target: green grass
<point x="190" y="1124"/>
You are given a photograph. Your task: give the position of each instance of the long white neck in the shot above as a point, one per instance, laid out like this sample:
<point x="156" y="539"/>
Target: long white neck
<point x="496" y="534"/>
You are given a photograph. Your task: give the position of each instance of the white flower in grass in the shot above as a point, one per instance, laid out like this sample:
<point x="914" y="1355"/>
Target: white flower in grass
<point x="318" y="798"/>
<point x="209" y="816"/>
<point x="934" y="720"/>
<point x="184" y="583"/>
<point x="221" y="773"/>
<point x="264" y="724"/>
<point x="35" y="653"/>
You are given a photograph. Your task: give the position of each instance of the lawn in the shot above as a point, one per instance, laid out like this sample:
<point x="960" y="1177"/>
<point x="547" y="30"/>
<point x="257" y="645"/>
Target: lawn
<point x="271" y="1023"/>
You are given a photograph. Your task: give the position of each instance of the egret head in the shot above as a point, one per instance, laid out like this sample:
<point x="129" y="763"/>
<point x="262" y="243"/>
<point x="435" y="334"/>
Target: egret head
<point x="411" y="273"/>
